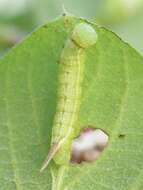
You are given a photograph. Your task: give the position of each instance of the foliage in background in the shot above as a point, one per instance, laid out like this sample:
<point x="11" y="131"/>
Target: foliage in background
<point x="125" y="17"/>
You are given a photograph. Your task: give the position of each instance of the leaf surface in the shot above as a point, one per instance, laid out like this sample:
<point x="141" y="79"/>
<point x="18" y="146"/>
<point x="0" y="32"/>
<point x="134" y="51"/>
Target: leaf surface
<point x="112" y="100"/>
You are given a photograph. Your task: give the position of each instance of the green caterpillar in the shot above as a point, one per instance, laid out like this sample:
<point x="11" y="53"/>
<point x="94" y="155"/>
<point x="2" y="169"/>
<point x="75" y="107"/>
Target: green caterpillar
<point x="69" y="92"/>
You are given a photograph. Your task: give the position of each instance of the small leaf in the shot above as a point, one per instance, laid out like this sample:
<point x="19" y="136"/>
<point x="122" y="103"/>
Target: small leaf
<point x="112" y="100"/>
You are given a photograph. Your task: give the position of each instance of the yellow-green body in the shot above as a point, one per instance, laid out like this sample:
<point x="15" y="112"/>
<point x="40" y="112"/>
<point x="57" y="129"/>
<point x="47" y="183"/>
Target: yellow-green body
<point x="71" y="72"/>
<point x="69" y="95"/>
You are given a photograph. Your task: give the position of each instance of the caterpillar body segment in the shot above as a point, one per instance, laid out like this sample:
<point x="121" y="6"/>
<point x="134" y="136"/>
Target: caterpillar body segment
<point x="71" y="74"/>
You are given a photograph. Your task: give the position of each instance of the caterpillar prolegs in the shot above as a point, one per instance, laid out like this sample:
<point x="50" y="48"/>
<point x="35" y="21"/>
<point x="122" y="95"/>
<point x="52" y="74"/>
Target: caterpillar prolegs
<point x="69" y="92"/>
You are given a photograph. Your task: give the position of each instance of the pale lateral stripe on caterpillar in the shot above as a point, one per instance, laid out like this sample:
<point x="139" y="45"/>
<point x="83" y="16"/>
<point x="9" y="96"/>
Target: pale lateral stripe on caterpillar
<point x="69" y="92"/>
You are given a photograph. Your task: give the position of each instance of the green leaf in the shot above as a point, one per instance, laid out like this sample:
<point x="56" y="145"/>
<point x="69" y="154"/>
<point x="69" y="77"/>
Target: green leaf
<point x="112" y="100"/>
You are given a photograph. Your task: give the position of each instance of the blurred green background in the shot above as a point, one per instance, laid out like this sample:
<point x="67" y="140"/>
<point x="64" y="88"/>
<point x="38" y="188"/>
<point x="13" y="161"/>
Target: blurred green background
<point x="20" y="17"/>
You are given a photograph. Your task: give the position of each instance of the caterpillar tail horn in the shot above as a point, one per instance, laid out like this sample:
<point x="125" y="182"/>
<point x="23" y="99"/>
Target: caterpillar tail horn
<point x="53" y="150"/>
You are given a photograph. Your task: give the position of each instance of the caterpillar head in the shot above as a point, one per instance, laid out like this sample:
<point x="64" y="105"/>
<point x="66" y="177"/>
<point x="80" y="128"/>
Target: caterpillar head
<point x="84" y="35"/>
